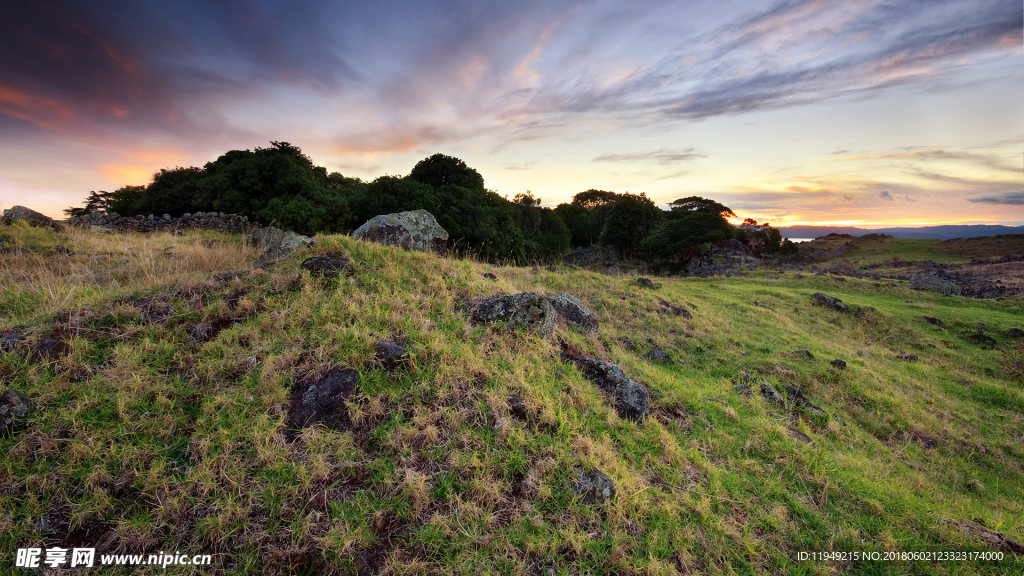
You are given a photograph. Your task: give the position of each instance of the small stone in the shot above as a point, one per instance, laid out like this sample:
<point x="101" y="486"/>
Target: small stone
<point x="489" y="276"/>
<point x="48" y="350"/>
<point x="595" y="488"/>
<point x="1015" y="333"/>
<point x="574" y="312"/>
<point x="656" y="354"/>
<point x="323" y="401"/>
<point x="830" y="302"/>
<point x="11" y="341"/>
<point x="803" y="354"/>
<point x="647" y="283"/>
<point x="763" y="305"/>
<point x="390" y="354"/>
<point x="14" y="405"/>
<point x="906" y="357"/>
<point x="933" y="321"/>
<point x="328" y="265"/>
<point x="772" y="395"/>
<point x="839" y="364"/>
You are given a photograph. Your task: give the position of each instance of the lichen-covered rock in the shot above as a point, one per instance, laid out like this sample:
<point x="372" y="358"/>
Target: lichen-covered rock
<point x="647" y="283"/>
<point x="277" y="244"/>
<point x="595" y="488"/>
<point x="103" y="222"/>
<point x="329" y="265"/>
<point x="830" y="302"/>
<point x="632" y="401"/>
<point x="13" y="405"/>
<point x="676" y="310"/>
<point x="33" y="218"/>
<point x="772" y="395"/>
<point x="524" y="310"/>
<point x="575" y="312"/>
<point x="414" y="230"/>
<point x="323" y="401"/>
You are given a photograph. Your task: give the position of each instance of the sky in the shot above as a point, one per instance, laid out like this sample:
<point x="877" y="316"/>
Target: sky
<point x="861" y="112"/>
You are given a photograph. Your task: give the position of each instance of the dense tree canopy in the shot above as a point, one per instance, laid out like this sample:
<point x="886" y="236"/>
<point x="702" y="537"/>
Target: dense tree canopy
<point x="280" y="185"/>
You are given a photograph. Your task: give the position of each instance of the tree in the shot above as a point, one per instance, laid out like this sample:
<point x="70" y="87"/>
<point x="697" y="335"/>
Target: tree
<point x="630" y="219"/>
<point x="594" y="198"/>
<point x="687" y="235"/>
<point x="759" y="238"/>
<point x="545" y="235"/>
<point x="95" y="202"/>
<point x="440" y="170"/>
<point x="698" y="204"/>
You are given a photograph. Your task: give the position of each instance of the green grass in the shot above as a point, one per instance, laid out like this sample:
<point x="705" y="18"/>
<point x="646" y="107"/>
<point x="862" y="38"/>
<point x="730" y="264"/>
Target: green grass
<point x="155" y="441"/>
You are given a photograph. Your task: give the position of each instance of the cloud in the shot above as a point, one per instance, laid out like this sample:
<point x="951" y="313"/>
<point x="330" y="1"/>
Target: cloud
<point x="987" y="160"/>
<point x="909" y="198"/>
<point x="885" y="195"/>
<point x="1011" y="198"/>
<point x="660" y="156"/>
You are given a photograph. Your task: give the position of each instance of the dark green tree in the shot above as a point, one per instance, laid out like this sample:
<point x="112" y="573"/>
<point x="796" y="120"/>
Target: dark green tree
<point x="687" y="235"/>
<point x="545" y="235"/>
<point x="440" y="170"/>
<point x="697" y="204"/>
<point x="631" y="218"/>
<point x="95" y="202"/>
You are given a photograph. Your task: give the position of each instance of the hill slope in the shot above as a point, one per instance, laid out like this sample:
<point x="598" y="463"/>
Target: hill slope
<point x="160" y="422"/>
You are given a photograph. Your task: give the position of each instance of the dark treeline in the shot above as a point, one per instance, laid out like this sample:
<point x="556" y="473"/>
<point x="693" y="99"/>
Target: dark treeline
<point x="280" y="185"/>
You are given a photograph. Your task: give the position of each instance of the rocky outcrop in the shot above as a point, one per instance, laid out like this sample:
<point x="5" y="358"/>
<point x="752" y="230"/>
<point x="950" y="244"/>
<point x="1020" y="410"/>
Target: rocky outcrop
<point x="13" y="406"/>
<point x="277" y="244"/>
<point x="632" y="401"/>
<point x="415" y="230"/>
<point x="526" y="310"/>
<point x="933" y="283"/>
<point x="114" y="222"/>
<point x="590" y="255"/>
<point x="730" y="247"/>
<point x="575" y="312"/>
<point x="33" y="218"/>
<point x="836" y="304"/>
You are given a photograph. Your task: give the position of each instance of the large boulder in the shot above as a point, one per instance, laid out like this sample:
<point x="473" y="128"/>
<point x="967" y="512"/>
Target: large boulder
<point x="730" y="247"/>
<point x="13" y="406"/>
<point x="575" y="312"/>
<point x="16" y="213"/>
<point x="524" y="310"/>
<point x="415" y="230"/>
<point x="632" y="401"/>
<point x="277" y="244"/>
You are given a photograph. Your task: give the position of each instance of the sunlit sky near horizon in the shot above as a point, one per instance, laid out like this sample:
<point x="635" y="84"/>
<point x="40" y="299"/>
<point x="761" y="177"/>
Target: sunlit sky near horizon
<point x="864" y="113"/>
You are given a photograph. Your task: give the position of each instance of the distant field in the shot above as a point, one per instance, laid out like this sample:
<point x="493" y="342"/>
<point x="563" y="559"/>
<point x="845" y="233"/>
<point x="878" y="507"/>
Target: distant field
<point x="147" y="437"/>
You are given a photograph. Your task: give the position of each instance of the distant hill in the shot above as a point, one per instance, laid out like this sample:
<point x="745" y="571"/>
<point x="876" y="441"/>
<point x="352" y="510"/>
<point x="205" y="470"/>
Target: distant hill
<point x="939" y="232"/>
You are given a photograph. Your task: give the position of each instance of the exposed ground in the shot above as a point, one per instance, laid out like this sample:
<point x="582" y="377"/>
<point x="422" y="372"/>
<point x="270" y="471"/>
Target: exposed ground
<point x="163" y="370"/>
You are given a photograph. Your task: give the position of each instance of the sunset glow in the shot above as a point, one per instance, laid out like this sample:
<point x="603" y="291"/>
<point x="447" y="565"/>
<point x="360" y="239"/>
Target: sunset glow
<point x="798" y="112"/>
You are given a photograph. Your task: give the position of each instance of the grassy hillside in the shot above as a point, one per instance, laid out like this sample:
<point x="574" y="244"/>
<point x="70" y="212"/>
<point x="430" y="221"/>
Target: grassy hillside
<point x="162" y="427"/>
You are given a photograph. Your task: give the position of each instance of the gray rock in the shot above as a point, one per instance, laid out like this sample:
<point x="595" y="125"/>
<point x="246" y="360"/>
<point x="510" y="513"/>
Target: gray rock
<point x="677" y="310"/>
<point x="647" y="283"/>
<point x="390" y="354"/>
<point x="830" y="302"/>
<point x="277" y="244"/>
<point x="763" y="305"/>
<point x="771" y="276"/>
<point x="13" y="406"/>
<point x="33" y="218"/>
<point x="524" y="310"/>
<point x="323" y="401"/>
<point x="595" y="488"/>
<point x="656" y="354"/>
<point x="1015" y="332"/>
<point x="772" y="395"/>
<point x="100" y="229"/>
<point x="489" y="276"/>
<point x="415" y="230"/>
<point x="575" y="312"/>
<point x="906" y="357"/>
<point x="632" y="401"/>
<point x="933" y="321"/>
<point x="839" y="364"/>
<point x="797" y="398"/>
<point x="803" y="354"/>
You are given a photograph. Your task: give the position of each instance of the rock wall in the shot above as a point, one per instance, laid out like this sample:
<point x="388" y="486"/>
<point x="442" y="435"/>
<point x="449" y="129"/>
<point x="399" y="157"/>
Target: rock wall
<point x="114" y="222"/>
